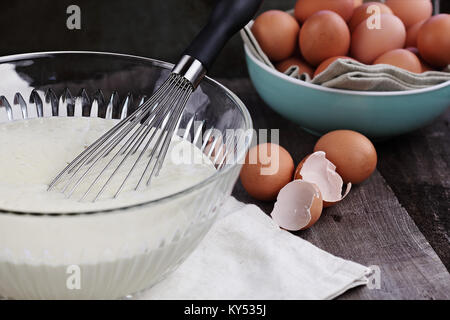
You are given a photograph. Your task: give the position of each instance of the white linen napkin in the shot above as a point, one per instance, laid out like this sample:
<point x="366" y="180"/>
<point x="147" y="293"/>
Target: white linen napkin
<point x="245" y="256"/>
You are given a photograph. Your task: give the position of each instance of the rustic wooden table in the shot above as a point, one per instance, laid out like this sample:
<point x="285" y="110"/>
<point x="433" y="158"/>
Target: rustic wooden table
<point x="398" y="219"/>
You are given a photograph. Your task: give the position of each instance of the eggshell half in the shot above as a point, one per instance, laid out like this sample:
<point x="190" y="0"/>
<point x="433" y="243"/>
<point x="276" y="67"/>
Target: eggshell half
<point x="317" y="169"/>
<point x="298" y="206"/>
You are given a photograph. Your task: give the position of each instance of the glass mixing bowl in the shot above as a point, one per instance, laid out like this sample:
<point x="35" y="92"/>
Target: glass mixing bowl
<point x="114" y="253"/>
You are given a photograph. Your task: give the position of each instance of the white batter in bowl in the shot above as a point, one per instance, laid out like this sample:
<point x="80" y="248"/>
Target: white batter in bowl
<point x="36" y="150"/>
<point x="57" y="248"/>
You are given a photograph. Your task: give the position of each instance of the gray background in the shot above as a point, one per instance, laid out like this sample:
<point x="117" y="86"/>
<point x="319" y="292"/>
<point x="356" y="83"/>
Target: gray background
<point x="153" y="28"/>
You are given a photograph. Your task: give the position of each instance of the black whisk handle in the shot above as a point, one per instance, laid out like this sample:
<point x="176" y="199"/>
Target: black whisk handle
<point x="227" y="18"/>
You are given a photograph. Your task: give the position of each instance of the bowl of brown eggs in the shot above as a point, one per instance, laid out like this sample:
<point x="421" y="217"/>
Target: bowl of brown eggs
<point x="311" y="39"/>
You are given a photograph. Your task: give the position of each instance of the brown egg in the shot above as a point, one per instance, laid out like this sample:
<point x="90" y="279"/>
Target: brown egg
<point x="352" y="153"/>
<point x="425" y="66"/>
<point x="411" y="11"/>
<point x="401" y="58"/>
<point x="268" y="168"/>
<point x="433" y="40"/>
<point x="324" y="35"/>
<point x="327" y="62"/>
<point x="294" y="61"/>
<point x="306" y="8"/>
<point x="358" y="3"/>
<point x="277" y="34"/>
<point x="360" y="14"/>
<point x="369" y="44"/>
<point x="411" y="34"/>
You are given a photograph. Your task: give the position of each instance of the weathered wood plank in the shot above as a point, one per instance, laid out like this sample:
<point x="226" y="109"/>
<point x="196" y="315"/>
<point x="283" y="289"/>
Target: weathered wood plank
<point x="370" y="226"/>
<point x="416" y="166"/>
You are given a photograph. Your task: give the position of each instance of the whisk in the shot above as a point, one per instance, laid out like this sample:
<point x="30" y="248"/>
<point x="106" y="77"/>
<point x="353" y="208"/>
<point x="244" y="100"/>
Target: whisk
<point x="138" y="144"/>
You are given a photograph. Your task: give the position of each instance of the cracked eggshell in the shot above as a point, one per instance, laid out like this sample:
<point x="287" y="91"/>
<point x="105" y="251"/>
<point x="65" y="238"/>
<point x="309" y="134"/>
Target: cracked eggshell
<point x="352" y="153"/>
<point x="299" y="206"/>
<point x="317" y="169"/>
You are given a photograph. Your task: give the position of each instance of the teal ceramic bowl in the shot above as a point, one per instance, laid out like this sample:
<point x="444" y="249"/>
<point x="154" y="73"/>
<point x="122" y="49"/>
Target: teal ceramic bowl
<point x="318" y="110"/>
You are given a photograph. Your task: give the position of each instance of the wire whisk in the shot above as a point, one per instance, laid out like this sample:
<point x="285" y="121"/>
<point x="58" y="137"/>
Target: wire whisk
<point x="133" y="151"/>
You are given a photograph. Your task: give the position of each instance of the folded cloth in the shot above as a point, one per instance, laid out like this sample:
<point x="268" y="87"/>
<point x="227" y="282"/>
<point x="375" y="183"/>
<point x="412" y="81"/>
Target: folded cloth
<point x="352" y="75"/>
<point x="246" y="256"/>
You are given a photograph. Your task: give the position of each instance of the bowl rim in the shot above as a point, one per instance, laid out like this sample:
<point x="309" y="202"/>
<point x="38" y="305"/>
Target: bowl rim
<point x="248" y="123"/>
<point x="340" y="91"/>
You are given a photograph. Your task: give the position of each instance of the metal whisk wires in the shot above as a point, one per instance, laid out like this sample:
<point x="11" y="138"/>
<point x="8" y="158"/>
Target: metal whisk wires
<point x="140" y="142"/>
<point x="137" y="145"/>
